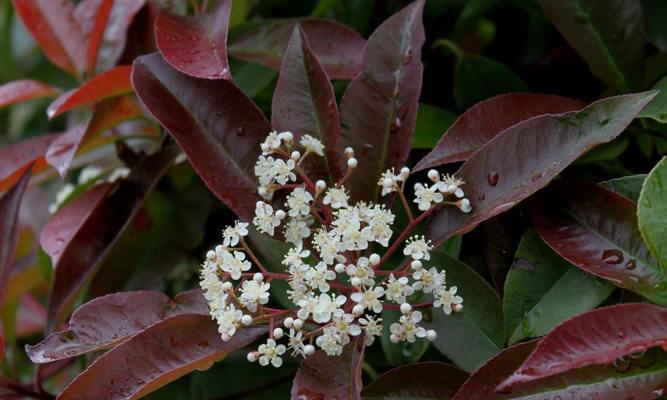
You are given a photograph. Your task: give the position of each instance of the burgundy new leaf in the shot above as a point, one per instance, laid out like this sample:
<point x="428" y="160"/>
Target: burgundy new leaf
<point x="106" y="321"/>
<point x="196" y="46"/>
<point x="328" y="378"/>
<point x="379" y="108"/>
<point x="424" y="380"/>
<point x="16" y="158"/>
<point x="338" y="47"/>
<point x="52" y="24"/>
<point x="160" y="354"/>
<point x="304" y="101"/>
<point x="596" y="230"/>
<point x="10" y="204"/>
<point x="526" y="157"/>
<point x="97" y="230"/>
<point x="109" y="84"/>
<point x="219" y="128"/>
<point x="485" y="120"/>
<point x="26" y="89"/>
<point x="596" y="337"/>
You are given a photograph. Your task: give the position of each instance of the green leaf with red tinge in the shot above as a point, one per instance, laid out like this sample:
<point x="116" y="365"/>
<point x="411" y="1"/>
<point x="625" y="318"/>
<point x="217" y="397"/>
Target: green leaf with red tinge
<point x="596" y="337"/>
<point x="609" y="35"/>
<point x="97" y="229"/>
<point x="10" y="204"/>
<point x="106" y="321"/>
<point x="338" y="47"/>
<point x="158" y="355"/>
<point x="526" y="157"/>
<point x="596" y="230"/>
<point x="304" y="102"/>
<point x="416" y="381"/>
<point x="196" y="46"/>
<point x="485" y="120"/>
<point x="52" y="24"/>
<point x="219" y="128"/>
<point x="328" y="378"/>
<point x="109" y="84"/>
<point x="652" y="211"/>
<point x="379" y="107"/>
<point x="26" y="89"/>
<point x="16" y="158"/>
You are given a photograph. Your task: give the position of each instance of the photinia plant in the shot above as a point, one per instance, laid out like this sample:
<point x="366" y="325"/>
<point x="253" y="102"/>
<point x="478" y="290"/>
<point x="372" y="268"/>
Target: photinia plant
<point x="223" y="205"/>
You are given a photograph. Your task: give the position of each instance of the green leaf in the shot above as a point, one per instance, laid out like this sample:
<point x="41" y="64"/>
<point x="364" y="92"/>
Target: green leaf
<point x="628" y="186"/>
<point x="652" y="211"/>
<point x="478" y="78"/>
<point x="432" y="122"/>
<point x="657" y="108"/>
<point x="609" y="36"/>
<point x="542" y="290"/>
<point x="479" y="326"/>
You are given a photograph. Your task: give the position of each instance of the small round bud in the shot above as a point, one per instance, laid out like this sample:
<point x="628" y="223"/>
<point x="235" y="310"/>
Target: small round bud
<point x="320" y="185"/>
<point x="464" y="205"/>
<point x="355" y="281"/>
<point x="374" y="259"/>
<point x="349" y="152"/>
<point x="340" y="268"/>
<point x="278" y="333"/>
<point x="280" y="214"/>
<point x="227" y="286"/>
<point x="288" y="322"/>
<point x="295" y="155"/>
<point x="286" y="136"/>
<point x="459" y="193"/>
<point x="406" y="308"/>
<point x="226" y="337"/>
<point x="210" y="255"/>
<point x="309" y="349"/>
<point x="252" y="356"/>
<point x="416" y="265"/>
<point x="431" y="335"/>
<point x="258" y="277"/>
<point x="358" y="309"/>
<point x="394" y="338"/>
<point x="352" y="162"/>
<point x="457" y="307"/>
<point x="405" y="172"/>
<point x="246" y="320"/>
<point x="297" y="324"/>
<point x="433" y="175"/>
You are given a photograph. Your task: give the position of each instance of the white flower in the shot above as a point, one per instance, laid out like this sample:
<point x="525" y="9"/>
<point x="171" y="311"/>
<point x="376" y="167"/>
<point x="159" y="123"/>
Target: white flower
<point x="296" y="230"/>
<point x="369" y="299"/>
<point x="293" y="260"/>
<point x="298" y="202"/>
<point x="270" y="353"/>
<point x="228" y="320"/>
<point x="418" y="248"/>
<point x="331" y="343"/>
<point x="426" y="196"/>
<point x="232" y="234"/>
<point x="295" y="343"/>
<point x="318" y="276"/>
<point x="447" y="299"/>
<point x="326" y="306"/>
<point x="271" y="143"/>
<point x="264" y="170"/>
<point x="343" y="324"/>
<point x="451" y="185"/>
<point x="389" y="182"/>
<point x="379" y="225"/>
<point x="398" y="289"/>
<point x="327" y="245"/>
<point x="362" y="271"/>
<point x="428" y="280"/>
<point x="282" y="171"/>
<point x="407" y="328"/>
<point x="234" y="264"/>
<point x="337" y="197"/>
<point x="265" y="220"/>
<point x="372" y="327"/>
<point x="312" y="145"/>
<point x="253" y="293"/>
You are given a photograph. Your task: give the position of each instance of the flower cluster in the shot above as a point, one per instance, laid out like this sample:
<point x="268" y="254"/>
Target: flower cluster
<point x="338" y="283"/>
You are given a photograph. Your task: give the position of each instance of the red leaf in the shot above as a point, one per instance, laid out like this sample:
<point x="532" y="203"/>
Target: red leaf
<point x="30" y="317"/>
<point x="109" y="84"/>
<point x="416" y="381"/>
<point x="338" y="47"/>
<point x="107" y="321"/>
<point x="196" y="46"/>
<point x="52" y="24"/>
<point x="10" y="204"/>
<point x="160" y="354"/>
<point x="107" y="114"/>
<point x="98" y="230"/>
<point x="15" y="159"/>
<point x="219" y="128"/>
<point x="526" y="157"/>
<point x="485" y="120"/>
<point x="97" y="33"/>
<point x="596" y="230"/>
<point x="379" y="108"/>
<point x="17" y="91"/>
<point x="596" y="337"/>
<point x="304" y="101"/>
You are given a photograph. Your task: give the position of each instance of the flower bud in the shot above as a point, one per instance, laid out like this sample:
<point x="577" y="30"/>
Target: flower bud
<point x="278" y="333"/>
<point x="288" y="322"/>
<point x="295" y="155"/>
<point x="406" y="308"/>
<point x="431" y="335"/>
<point x="349" y="152"/>
<point x="280" y="214"/>
<point x="433" y="175"/>
<point x="394" y="338"/>
<point x="227" y="286"/>
<point x="258" y="277"/>
<point x="464" y="205"/>
<point x="374" y="259"/>
<point x="320" y="185"/>
<point x="340" y="268"/>
<point x="358" y="309"/>
<point x="457" y="307"/>
<point x="352" y="162"/>
<point x="405" y="172"/>
<point x="309" y="349"/>
<point x="416" y="265"/>
<point x="286" y="136"/>
<point x="355" y="281"/>
<point x="252" y="356"/>
<point x="459" y="193"/>
<point x="210" y="255"/>
<point x="246" y="320"/>
<point x="297" y="324"/>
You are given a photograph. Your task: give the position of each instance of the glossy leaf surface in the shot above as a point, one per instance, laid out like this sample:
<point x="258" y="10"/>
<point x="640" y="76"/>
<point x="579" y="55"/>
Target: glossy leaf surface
<point x="425" y="380"/>
<point x="652" y="211"/>
<point x="628" y="186"/>
<point x="498" y="176"/>
<point x="25" y="89"/>
<point x="15" y="158"/>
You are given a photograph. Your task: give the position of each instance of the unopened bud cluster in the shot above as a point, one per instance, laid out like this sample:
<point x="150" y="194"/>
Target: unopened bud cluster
<point x="337" y="284"/>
